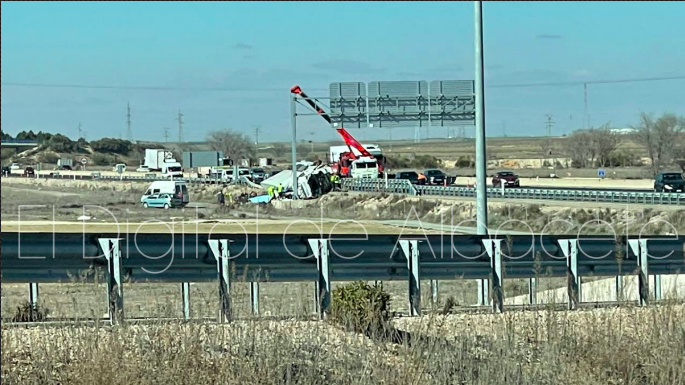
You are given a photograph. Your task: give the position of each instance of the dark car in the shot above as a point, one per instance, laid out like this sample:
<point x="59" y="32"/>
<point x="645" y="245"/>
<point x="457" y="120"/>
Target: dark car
<point x="510" y="179"/>
<point x="28" y="171"/>
<point x="65" y="167"/>
<point x="435" y="177"/>
<point x="6" y="170"/>
<point x="412" y="176"/>
<point x="669" y="182"/>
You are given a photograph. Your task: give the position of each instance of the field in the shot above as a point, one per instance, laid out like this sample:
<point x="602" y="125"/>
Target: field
<point x="608" y="346"/>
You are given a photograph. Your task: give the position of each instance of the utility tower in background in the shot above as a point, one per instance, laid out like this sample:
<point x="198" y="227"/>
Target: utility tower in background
<point x="504" y="129"/>
<point x="81" y="133"/>
<point x="166" y="134"/>
<point x="549" y="124"/>
<point x="129" y="133"/>
<point x="180" y="126"/>
<point x="257" y="130"/>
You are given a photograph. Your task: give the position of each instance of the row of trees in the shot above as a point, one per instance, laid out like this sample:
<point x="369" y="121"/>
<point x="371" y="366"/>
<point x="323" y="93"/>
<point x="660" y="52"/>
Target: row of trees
<point x="663" y="139"/>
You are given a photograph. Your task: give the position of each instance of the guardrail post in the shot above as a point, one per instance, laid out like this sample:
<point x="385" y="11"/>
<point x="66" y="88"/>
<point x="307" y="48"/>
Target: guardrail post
<point x="411" y="252"/>
<point x="254" y="297"/>
<point x="483" y="292"/>
<point x="492" y="246"/>
<point x="570" y="249"/>
<point x="220" y="249"/>
<point x="657" y="287"/>
<point x="434" y="293"/>
<point x="533" y="291"/>
<point x="185" y="294"/>
<point x="323" y="283"/>
<point x="619" y="288"/>
<point x="639" y="248"/>
<point x="115" y="290"/>
<point x="33" y="296"/>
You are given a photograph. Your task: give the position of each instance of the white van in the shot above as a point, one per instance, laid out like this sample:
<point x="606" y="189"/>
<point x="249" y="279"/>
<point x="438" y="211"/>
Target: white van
<point x="176" y="188"/>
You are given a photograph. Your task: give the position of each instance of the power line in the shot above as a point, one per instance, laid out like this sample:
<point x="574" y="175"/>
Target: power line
<point x="576" y="83"/>
<point x="245" y="89"/>
<point x="146" y="88"/>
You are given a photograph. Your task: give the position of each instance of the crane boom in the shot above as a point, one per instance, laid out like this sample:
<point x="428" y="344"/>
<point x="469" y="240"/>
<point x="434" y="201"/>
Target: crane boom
<point x="349" y="140"/>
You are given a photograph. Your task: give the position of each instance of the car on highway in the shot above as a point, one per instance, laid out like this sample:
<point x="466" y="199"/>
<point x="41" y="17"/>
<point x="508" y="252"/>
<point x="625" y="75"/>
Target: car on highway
<point x="435" y="177"/>
<point x="258" y="174"/>
<point x="120" y="168"/>
<point x="6" y="170"/>
<point x="669" y="182"/>
<point x="143" y="168"/>
<point x="510" y="179"/>
<point x="411" y="176"/>
<point x="15" y="166"/>
<point x="29" y="172"/>
<point x="163" y="200"/>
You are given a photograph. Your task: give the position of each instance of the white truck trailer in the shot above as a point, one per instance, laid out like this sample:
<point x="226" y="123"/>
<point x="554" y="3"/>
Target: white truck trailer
<point x="163" y="160"/>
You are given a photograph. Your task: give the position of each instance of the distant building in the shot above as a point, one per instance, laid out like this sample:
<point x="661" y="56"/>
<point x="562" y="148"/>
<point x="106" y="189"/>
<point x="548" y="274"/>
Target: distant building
<point x="624" y="131"/>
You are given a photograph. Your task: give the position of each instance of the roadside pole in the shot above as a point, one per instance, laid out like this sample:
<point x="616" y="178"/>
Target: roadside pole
<point x="481" y="159"/>
<point x="293" y="122"/>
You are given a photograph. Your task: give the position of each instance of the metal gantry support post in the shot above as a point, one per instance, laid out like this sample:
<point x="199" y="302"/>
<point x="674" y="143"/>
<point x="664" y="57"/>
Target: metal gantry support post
<point x="639" y="248"/>
<point x="185" y="294"/>
<point x="254" y="298"/>
<point x="570" y="249"/>
<point x="323" y="283"/>
<point x="115" y="290"/>
<point x="221" y="250"/>
<point x="619" y="288"/>
<point x="493" y="247"/>
<point x="411" y="252"/>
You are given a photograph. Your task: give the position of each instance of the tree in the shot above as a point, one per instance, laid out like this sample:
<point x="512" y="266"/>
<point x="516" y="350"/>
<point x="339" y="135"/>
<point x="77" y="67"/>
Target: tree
<point x="234" y="145"/>
<point x="604" y="141"/>
<point x="61" y="143"/>
<point x="279" y="149"/>
<point x="4" y="135"/>
<point x="580" y="148"/>
<point x="661" y="137"/>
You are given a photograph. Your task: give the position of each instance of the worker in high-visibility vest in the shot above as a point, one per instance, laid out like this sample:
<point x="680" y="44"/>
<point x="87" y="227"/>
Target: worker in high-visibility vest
<point x="279" y="190"/>
<point x="335" y="179"/>
<point x="271" y="191"/>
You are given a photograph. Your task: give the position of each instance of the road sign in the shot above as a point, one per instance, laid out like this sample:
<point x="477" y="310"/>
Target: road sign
<point x="442" y="103"/>
<point x="601" y="172"/>
<point x="84" y="161"/>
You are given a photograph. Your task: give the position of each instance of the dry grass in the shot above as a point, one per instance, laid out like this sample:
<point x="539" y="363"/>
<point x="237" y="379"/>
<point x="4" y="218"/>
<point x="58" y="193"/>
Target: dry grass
<point x="610" y="346"/>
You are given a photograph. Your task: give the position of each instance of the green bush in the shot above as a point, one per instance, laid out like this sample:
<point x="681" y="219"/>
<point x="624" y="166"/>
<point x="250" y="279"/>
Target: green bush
<point x="361" y="307"/>
<point x="48" y="157"/>
<point x="395" y="162"/>
<point x="464" y="162"/>
<point x="425" y="161"/>
<point x="112" y="145"/>
<point x="102" y="159"/>
<point x="61" y="143"/>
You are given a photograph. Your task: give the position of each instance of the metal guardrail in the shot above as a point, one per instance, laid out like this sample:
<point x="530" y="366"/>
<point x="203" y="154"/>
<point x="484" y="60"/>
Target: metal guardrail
<point x="129" y="257"/>
<point x="406" y="187"/>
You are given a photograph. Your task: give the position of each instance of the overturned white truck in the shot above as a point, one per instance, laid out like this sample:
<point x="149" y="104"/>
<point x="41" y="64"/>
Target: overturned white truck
<point x="312" y="180"/>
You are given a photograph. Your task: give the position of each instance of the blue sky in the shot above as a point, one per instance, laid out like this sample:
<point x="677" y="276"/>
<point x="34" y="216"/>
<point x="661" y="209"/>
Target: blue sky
<point x="271" y="46"/>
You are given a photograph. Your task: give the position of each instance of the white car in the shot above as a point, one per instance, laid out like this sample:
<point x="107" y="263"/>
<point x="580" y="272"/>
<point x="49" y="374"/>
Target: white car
<point x="15" y="166"/>
<point x="143" y="168"/>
